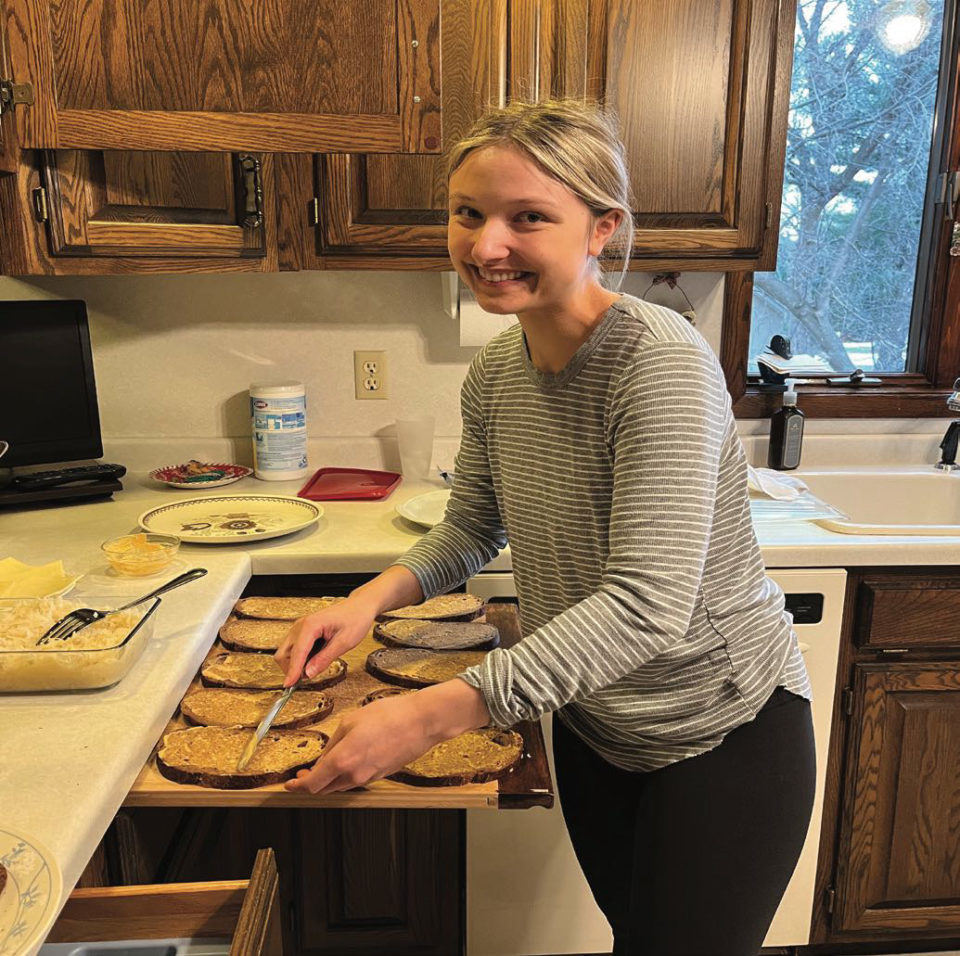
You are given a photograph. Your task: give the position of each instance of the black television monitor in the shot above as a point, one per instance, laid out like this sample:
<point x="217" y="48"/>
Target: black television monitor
<point x="48" y="397"/>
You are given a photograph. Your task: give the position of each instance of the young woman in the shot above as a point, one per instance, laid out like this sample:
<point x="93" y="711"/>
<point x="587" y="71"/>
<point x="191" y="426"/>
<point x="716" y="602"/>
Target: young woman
<point x="598" y="439"/>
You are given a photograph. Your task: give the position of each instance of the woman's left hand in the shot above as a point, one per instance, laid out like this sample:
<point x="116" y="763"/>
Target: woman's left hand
<point x="378" y="739"/>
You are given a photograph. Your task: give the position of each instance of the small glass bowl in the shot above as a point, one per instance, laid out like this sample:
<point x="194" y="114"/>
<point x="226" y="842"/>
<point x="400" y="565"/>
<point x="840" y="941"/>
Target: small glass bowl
<point x="135" y="555"/>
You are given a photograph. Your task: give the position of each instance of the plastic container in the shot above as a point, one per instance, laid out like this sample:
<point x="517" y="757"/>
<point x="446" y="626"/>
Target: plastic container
<point x="278" y="418"/>
<point x="786" y="432"/>
<point x="56" y="667"/>
<point x="138" y="554"/>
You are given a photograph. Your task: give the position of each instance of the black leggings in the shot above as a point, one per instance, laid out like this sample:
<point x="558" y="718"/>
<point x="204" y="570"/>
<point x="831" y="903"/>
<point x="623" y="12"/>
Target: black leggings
<point x="692" y="859"/>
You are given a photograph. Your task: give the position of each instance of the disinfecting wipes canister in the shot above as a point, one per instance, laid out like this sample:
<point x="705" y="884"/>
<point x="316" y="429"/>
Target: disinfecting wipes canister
<point x="278" y="417"/>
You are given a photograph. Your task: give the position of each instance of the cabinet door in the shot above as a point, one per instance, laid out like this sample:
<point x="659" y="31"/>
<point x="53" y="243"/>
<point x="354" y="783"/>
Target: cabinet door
<point x="154" y="204"/>
<point x="278" y="75"/>
<point x="380" y="882"/>
<point x="375" y="204"/>
<point x="899" y="851"/>
<point x="700" y="91"/>
<point x="70" y="212"/>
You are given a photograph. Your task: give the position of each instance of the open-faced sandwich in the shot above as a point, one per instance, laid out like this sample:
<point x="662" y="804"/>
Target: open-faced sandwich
<point x="208" y="756"/>
<point x="261" y="672"/>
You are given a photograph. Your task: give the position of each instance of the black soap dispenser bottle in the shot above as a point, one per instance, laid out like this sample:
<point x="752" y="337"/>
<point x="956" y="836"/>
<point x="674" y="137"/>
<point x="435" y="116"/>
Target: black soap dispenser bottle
<point x="786" y="432"/>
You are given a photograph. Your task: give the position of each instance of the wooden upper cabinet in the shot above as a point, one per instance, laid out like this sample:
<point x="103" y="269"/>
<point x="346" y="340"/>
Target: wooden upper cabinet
<point x="396" y="205"/>
<point x="701" y="92"/>
<point x="275" y="76"/>
<point x="69" y="212"/>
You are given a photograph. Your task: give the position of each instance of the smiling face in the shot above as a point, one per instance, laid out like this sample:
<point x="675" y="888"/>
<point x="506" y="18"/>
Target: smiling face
<point x="520" y="239"/>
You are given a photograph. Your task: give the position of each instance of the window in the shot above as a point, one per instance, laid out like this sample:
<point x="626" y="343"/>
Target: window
<point x="863" y="270"/>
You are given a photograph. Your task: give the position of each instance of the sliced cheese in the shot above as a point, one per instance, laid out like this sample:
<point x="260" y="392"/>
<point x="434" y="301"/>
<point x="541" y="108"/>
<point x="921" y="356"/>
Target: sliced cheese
<point x="18" y="580"/>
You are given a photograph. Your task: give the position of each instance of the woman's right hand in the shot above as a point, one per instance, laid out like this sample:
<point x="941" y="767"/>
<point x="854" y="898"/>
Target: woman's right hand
<point x="336" y="629"/>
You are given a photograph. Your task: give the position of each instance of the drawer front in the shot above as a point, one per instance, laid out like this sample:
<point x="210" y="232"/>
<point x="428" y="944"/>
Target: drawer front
<point x="245" y="911"/>
<point x="899" y="612"/>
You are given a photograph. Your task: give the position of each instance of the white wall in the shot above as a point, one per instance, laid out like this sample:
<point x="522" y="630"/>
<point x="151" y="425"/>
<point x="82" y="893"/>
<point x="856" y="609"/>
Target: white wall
<point x="174" y="356"/>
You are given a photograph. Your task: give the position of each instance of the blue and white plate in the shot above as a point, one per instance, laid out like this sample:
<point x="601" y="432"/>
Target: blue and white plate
<point x="30" y="900"/>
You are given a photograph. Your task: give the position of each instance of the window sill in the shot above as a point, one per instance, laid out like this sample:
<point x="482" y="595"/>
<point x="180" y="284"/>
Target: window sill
<point x="865" y="401"/>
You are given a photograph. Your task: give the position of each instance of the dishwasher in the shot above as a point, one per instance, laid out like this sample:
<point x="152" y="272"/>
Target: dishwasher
<point x="526" y="895"/>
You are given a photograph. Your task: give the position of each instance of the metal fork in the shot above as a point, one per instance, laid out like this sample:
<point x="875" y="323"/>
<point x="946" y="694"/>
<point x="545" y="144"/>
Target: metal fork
<point x="70" y="623"/>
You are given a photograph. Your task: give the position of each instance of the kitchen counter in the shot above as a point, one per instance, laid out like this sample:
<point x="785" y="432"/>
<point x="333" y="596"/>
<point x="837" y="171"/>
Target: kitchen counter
<point x="68" y="760"/>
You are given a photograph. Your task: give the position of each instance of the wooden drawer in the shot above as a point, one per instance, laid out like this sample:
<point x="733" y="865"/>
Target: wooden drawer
<point x="245" y="911"/>
<point x="915" y="611"/>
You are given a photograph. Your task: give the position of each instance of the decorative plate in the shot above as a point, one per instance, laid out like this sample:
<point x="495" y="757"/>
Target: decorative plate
<point x="30" y="900"/>
<point x="227" y="519"/>
<point x="206" y="475"/>
<point x="426" y="510"/>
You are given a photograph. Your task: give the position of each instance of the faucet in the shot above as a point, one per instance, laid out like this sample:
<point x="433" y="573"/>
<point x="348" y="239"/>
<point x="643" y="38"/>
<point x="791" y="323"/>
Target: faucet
<point x="948" y="455"/>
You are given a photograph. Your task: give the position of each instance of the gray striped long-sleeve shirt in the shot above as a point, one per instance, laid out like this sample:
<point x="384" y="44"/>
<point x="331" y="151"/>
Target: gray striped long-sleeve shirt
<point x="620" y="482"/>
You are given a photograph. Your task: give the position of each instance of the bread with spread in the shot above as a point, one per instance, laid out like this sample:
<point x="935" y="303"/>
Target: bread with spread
<point x="232" y="707"/>
<point x="473" y="757"/>
<point x="444" y="607"/>
<point x="415" y="667"/>
<point x="438" y="635"/>
<point x="251" y="634"/>
<point x="282" y="608"/>
<point x="261" y="672"/>
<point x="208" y="756"/>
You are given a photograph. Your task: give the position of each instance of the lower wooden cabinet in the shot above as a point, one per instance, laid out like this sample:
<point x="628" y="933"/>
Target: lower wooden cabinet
<point x="889" y="868"/>
<point x="356" y="881"/>
<point x="247" y="912"/>
<point x="898" y="864"/>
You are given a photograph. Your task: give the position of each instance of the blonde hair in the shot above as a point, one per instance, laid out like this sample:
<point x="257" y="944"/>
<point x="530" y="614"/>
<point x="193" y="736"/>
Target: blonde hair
<point x="575" y="142"/>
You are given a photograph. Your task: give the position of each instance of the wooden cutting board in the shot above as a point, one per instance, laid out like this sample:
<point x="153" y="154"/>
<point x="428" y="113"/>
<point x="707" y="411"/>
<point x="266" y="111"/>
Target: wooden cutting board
<point x="528" y="785"/>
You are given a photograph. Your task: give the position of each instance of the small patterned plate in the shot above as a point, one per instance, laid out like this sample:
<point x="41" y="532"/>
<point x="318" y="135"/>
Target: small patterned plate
<point x="172" y="475"/>
<point x="227" y="519"/>
<point x="30" y="899"/>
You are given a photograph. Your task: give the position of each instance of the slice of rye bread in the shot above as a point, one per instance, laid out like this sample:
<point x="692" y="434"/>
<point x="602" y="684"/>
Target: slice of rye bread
<point x="385" y="692"/>
<point x="208" y="756"/>
<point x="281" y="608"/>
<point x="261" y="672"/>
<point x="438" y="635"/>
<point x="415" y="667"/>
<point x="474" y="757"/>
<point x="445" y="607"/>
<point x="250" y="634"/>
<point x="232" y="707"/>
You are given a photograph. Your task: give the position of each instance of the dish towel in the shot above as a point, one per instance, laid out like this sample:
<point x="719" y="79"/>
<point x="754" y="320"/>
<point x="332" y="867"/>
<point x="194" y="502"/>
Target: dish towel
<point x="772" y="484"/>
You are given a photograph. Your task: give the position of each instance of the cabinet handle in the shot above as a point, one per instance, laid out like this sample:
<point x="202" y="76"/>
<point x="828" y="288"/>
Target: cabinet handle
<point x="252" y="192"/>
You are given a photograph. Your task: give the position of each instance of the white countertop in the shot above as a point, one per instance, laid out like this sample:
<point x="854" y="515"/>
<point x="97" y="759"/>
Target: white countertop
<point x="68" y="760"/>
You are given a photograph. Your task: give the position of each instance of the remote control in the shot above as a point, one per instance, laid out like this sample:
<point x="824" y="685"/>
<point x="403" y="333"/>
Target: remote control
<point x="65" y="476"/>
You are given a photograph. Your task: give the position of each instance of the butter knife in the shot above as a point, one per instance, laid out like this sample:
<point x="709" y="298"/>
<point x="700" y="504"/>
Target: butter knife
<point x="264" y="726"/>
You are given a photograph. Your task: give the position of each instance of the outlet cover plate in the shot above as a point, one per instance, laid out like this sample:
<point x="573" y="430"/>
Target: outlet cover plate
<point x="370" y="375"/>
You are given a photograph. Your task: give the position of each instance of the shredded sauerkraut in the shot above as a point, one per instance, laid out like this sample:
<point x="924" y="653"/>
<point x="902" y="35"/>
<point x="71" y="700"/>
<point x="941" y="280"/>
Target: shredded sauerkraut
<point x="23" y="623"/>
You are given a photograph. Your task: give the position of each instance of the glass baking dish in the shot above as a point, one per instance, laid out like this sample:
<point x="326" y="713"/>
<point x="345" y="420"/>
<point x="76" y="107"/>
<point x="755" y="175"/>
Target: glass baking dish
<point x="56" y="667"/>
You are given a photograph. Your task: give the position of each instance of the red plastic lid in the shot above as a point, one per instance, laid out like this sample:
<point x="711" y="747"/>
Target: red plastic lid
<point x="330" y="484"/>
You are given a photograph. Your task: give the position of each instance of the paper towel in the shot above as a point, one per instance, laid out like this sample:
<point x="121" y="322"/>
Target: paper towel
<point x="476" y="326"/>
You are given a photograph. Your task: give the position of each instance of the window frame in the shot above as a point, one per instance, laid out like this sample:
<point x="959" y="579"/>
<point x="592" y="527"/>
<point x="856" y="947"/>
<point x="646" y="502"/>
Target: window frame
<point x="920" y="394"/>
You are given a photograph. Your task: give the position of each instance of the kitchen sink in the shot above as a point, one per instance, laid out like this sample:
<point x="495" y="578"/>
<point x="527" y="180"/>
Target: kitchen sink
<point x="920" y="503"/>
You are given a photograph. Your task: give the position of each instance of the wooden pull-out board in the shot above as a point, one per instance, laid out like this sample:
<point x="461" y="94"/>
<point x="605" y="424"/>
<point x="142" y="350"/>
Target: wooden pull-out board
<point x="528" y="785"/>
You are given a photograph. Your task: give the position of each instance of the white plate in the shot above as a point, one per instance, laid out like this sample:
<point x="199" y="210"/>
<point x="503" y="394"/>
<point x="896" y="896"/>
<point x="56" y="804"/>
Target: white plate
<point x="227" y="519"/>
<point x="426" y="510"/>
<point x="29" y="902"/>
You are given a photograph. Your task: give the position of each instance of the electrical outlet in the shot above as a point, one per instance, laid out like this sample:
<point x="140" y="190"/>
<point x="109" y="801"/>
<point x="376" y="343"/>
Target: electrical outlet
<point x="370" y="374"/>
